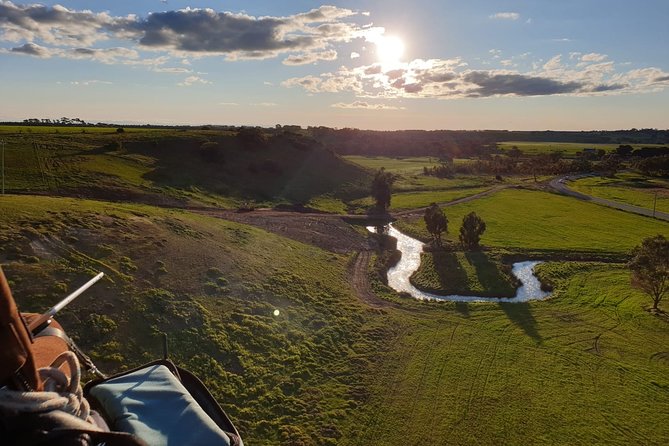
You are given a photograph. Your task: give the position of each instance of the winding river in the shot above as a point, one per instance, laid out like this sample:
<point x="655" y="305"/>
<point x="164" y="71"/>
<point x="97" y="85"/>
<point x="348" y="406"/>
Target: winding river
<point x="398" y="275"/>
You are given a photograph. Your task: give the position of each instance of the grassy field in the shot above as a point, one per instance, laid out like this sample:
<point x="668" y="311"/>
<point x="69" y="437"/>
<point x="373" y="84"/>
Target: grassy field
<point x="586" y="367"/>
<point x="567" y="148"/>
<point x="630" y="188"/>
<point x="401" y="166"/>
<point x="528" y="220"/>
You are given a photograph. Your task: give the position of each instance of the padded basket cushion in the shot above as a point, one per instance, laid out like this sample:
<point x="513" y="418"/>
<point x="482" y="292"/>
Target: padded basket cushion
<point x="152" y="404"/>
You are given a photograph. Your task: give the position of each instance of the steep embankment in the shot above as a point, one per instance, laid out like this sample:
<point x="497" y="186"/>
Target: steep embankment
<point x="213" y="286"/>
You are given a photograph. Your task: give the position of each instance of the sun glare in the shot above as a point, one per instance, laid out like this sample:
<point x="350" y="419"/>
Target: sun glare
<point x="389" y="49"/>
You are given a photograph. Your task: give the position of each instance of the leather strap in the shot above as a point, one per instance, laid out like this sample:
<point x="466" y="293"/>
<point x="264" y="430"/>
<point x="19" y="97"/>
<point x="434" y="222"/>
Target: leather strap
<point x="88" y="363"/>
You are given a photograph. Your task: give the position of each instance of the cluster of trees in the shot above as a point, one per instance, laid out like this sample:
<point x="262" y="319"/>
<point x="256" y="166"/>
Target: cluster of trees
<point x="656" y="166"/>
<point x="471" y="230"/>
<point x="461" y="143"/>
<point x="62" y="121"/>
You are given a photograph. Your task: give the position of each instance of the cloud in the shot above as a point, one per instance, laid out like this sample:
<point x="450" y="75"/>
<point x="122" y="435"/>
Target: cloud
<point x="264" y="104"/>
<point x="55" y="25"/>
<point x="228" y="104"/>
<point x="90" y="82"/>
<point x="451" y="78"/>
<point x="193" y="80"/>
<point x="505" y="16"/>
<point x="189" y="32"/>
<point x="486" y="84"/>
<point x="32" y="49"/>
<point x="173" y="70"/>
<point x="307" y="58"/>
<point x="593" y="57"/>
<point x="354" y="55"/>
<point x="366" y="106"/>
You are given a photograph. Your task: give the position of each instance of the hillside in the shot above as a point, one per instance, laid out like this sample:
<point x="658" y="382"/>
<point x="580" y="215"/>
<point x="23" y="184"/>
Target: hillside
<point x="213" y="286"/>
<point x="177" y="167"/>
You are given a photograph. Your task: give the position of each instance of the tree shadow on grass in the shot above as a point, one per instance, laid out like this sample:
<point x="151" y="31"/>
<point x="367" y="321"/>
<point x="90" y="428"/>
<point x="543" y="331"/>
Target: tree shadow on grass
<point x="462" y="308"/>
<point x="521" y="315"/>
<point x="489" y="275"/>
<point x="452" y="277"/>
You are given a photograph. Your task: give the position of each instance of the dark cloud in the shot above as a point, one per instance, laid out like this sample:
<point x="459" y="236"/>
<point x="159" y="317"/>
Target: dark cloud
<point x="607" y="87"/>
<point x="373" y="69"/>
<point x="490" y="84"/>
<point x="32" y="50"/>
<point x="202" y="31"/>
<point x="661" y="79"/>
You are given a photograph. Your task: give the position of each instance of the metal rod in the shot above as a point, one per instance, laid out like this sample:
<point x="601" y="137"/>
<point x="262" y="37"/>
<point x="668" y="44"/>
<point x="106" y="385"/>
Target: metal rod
<point x="2" y="142"/>
<point x="59" y="306"/>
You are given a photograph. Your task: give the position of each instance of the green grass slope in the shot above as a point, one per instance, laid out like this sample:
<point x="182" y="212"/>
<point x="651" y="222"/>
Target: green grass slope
<point x="222" y="168"/>
<point x="213" y="286"/>
<point x="588" y="366"/>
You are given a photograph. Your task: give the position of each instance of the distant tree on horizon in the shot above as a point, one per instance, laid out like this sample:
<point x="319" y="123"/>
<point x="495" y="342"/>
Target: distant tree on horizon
<point x="650" y="267"/>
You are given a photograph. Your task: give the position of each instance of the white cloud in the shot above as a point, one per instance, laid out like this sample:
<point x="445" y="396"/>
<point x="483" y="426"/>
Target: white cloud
<point x="228" y="104"/>
<point x="193" y="80"/>
<point x="445" y="79"/>
<point x="189" y="32"/>
<point x="593" y="57"/>
<point x="312" y="57"/>
<point x="554" y="63"/>
<point x="505" y="16"/>
<point x="366" y="106"/>
<point x="264" y="104"/>
<point x="355" y="55"/>
<point x="90" y="82"/>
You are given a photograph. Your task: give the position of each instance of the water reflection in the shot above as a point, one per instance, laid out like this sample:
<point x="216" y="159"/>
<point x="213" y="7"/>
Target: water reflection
<point x="398" y="275"/>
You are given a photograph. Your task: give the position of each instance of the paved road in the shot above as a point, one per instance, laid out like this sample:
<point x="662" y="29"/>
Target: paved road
<point x="560" y="185"/>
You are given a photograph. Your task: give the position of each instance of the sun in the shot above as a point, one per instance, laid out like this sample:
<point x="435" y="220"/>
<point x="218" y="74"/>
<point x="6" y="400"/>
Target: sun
<point x="389" y="49"/>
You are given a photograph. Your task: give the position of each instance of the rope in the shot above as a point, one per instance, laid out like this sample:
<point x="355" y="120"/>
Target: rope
<point x="60" y="392"/>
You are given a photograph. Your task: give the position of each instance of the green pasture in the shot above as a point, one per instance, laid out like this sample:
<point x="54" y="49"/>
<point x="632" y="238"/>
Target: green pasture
<point x="588" y="366"/>
<point x="412" y="200"/>
<point x="402" y="166"/>
<point x="630" y="188"/>
<point x="528" y="220"/>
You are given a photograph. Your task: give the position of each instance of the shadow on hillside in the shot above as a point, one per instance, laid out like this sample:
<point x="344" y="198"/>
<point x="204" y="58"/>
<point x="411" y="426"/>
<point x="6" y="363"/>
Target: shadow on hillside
<point x="278" y="169"/>
<point x="521" y="315"/>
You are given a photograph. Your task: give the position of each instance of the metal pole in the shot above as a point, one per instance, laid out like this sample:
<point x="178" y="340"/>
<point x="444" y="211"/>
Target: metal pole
<point x="3" y="166"/>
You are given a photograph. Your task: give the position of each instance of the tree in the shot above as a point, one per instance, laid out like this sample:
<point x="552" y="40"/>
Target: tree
<point x="650" y="267"/>
<point x="382" y="188"/>
<point x="471" y="230"/>
<point x="436" y="222"/>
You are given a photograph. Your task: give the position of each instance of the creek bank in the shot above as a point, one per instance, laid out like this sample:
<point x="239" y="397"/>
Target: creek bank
<point x="399" y="275"/>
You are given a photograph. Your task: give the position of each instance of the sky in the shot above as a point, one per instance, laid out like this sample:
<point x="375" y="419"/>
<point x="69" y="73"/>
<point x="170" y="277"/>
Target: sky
<point x="420" y="64"/>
